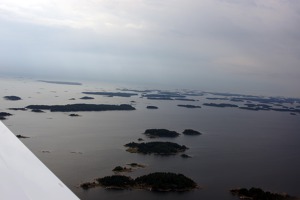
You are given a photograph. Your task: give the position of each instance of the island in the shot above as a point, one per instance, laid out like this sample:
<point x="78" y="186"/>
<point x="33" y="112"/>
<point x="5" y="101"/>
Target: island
<point x="81" y="107"/>
<point x="12" y="98"/>
<point x="158" y="181"/>
<point x="23" y="109"/>
<point x="184" y="99"/>
<point x="136" y="165"/>
<point x="220" y="105"/>
<point x="189" y="106"/>
<point x="61" y="82"/>
<point x="152" y="107"/>
<point x="21" y="136"/>
<point x="87" y="98"/>
<point x="74" y="115"/>
<point x="112" y="94"/>
<point x="185" y="156"/>
<point x="119" y="169"/>
<point x="37" y="111"/>
<point x="259" y="194"/>
<point x="155" y="133"/>
<point x="191" y="132"/>
<point x="158" y="148"/>
<point x="3" y="115"/>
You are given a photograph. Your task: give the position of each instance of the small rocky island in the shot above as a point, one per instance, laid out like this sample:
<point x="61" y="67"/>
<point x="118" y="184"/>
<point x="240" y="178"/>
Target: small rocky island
<point x="12" y="98"/>
<point x="191" y="132"/>
<point x="259" y="194"/>
<point x="121" y="169"/>
<point x="159" y="148"/>
<point x="158" y="181"/>
<point x="81" y="107"/>
<point x="155" y="133"/>
<point x="21" y="136"/>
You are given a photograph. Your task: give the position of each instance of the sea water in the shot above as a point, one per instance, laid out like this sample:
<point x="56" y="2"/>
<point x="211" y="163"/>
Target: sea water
<point x="237" y="148"/>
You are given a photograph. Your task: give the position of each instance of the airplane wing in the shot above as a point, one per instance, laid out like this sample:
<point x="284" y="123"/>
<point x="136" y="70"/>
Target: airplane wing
<point x="23" y="176"/>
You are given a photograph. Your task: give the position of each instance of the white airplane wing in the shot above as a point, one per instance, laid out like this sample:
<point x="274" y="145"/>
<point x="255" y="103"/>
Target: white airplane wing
<point x="23" y="176"/>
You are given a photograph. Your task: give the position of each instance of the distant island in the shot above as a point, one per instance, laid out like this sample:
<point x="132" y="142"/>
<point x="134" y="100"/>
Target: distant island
<point x="21" y="136"/>
<point x="87" y="98"/>
<point x="12" y="98"/>
<point x="152" y="107"/>
<point x="74" y="115"/>
<point x="112" y="94"/>
<point x="191" y="132"/>
<point x="37" y="111"/>
<point x="154" y="133"/>
<point x="81" y="107"/>
<point x="61" y="82"/>
<point x="23" y="109"/>
<point x="220" y="105"/>
<point x="259" y="194"/>
<point x="189" y="106"/>
<point x="159" y="148"/>
<point x="184" y="99"/>
<point x="158" y="181"/>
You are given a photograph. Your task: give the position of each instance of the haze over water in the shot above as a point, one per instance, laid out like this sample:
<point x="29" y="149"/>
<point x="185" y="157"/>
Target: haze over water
<point x="238" y="148"/>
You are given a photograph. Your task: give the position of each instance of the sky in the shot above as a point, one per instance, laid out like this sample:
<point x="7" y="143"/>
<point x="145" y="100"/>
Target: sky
<point x="246" y="46"/>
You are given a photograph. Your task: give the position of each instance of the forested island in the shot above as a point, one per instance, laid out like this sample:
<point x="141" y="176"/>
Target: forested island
<point x="3" y="115"/>
<point x="159" y="148"/>
<point x="81" y="107"/>
<point x="154" y="133"/>
<point x="220" y="105"/>
<point x="12" y="98"/>
<point x="191" y="132"/>
<point x="112" y="94"/>
<point x="189" y="106"/>
<point x="152" y="107"/>
<point x="158" y="181"/>
<point x="259" y="194"/>
<point x="87" y="98"/>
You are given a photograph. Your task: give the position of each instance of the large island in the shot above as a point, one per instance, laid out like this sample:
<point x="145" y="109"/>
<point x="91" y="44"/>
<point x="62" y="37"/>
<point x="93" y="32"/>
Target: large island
<point x="158" y="181"/>
<point x="160" y="148"/>
<point x="153" y="133"/>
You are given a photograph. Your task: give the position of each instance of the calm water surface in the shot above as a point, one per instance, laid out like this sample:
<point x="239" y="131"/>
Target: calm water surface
<point x="238" y="148"/>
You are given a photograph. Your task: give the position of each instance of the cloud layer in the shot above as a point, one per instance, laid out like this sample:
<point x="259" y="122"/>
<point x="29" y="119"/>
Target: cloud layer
<point x="232" y="45"/>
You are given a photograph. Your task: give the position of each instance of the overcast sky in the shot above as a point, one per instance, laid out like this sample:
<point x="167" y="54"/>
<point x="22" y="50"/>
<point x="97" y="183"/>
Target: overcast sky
<point x="248" y="46"/>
